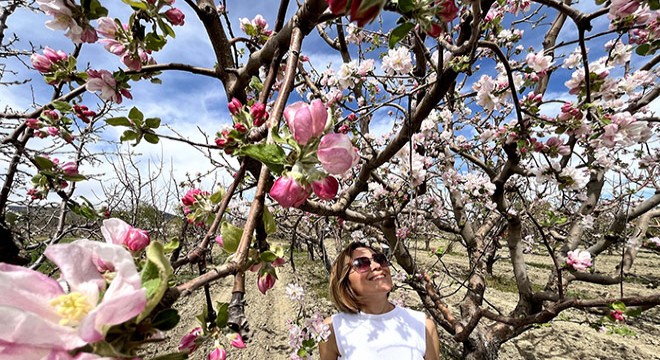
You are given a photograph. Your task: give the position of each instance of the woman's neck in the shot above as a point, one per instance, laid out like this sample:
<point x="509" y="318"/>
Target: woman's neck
<point x="376" y="307"/>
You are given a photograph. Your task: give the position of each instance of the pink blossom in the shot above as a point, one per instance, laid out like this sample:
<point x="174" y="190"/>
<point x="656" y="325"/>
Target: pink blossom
<point x="234" y="106"/>
<point x="265" y="282"/>
<point x="41" y="63"/>
<point x="55" y="56"/>
<point x="326" y="188"/>
<point x="336" y="153"/>
<point x="622" y="8"/>
<point x="538" y="62"/>
<point x="113" y="46"/>
<point x="258" y="113"/>
<point x="236" y="340"/>
<point x="116" y="231"/>
<point x="107" y="27"/>
<point x="617" y="315"/>
<point x="89" y="35"/>
<point x="306" y="121"/>
<point x="53" y="131"/>
<point x="191" y="197"/>
<point x="131" y="62"/>
<point x="219" y="241"/>
<point x="188" y="342"/>
<point x="397" y="61"/>
<point x="175" y="16"/>
<point x="33" y="123"/>
<point x="337" y="7"/>
<point x="219" y="353"/>
<point x="288" y="192"/>
<point x="32" y="303"/>
<point x="365" y="11"/>
<point x="449" y="10"/>
<point x="103" y="81"/>
<point x="278" y="262"/>
<point x="578" y="259"/>
<point x="69" y="168"/>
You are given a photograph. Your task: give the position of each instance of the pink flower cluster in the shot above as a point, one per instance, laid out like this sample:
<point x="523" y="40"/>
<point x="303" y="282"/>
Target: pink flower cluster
<point x="118" y="41"/>
<point x="103" y="81"/>
<point x="67" y="16"/>
<point x="578" y="259"/>
<point x="118" y="232"/>
<point x="334" y="151"/>
<point x="361" y="11"/>
<point x="67" y="319"/>
<point x="49" y="60"/>
<point x="229" y="139"/>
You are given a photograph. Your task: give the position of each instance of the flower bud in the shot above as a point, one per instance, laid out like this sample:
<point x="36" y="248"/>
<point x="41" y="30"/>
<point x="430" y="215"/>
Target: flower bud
<point x="188" y="342"/>
<point x="265" y="282"/>
<point x="137" y="239"/>
<point x="288" y="192"/>
<point x="69" y="168"/>
<point x="258" y="112"/>
<point x="175" y="16"/>
<point x="234" y="106"/>
<point x="218" y="353"/>
<point x="336" y="153"/>
<point x="306" y="121"/>
<point x="326" y="188"/>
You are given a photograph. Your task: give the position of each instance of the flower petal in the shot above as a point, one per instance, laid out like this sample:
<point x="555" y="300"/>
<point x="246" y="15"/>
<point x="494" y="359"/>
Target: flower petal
<point x="31" y="290"/>
<point x="19" y="328"/>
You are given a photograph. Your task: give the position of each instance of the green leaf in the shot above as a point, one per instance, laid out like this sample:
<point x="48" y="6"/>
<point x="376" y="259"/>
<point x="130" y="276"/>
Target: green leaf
<point x="267" y="256"/>
<point x="256" y="84"/>
<point x="62" y="106"/>
<point x="136" y="4"/>
<point x="77" y="177"/>
<point x="654" y="4"/>
<point x="128" y="135"/>
<point x="217" y="196"/>
<point x="155" y="275"/>
<point x="154" y="41"/>
<point x="271" y="155"/>
<point x="231" y="236"/>
<point x="399" y="33"/>
<point x="618" y="305"/>
<point x="171" y="246"/>
<point x="156" y="81"/>
<point x="167" y="29"/>
<point x="151" y="138"/>
<point x="166" y="319"/>
<point x="96" y="10"/>
<point x="269" y="221"/>
<point x="637" y="311"/>
<point x="223" y="314"/>
<point x="152" y="123"/>
<point x="43" y="163"/>
<point x="406" y="5"/>
<point x="118" y="121"/>
<point x="136" y="115"/>
<point x="643" y="49"/>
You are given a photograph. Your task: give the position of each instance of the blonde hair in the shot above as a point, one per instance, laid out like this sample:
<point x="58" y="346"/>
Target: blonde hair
<point x="343" y="296"/>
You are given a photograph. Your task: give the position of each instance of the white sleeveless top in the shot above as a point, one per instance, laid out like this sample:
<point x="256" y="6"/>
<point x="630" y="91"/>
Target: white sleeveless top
<point x="399" y="334"/>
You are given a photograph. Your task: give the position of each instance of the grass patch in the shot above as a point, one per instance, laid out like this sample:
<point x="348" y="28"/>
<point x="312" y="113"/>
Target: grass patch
<point x="507" y="284"/>
<point x="316" y="278"/>
<point x="541" y="265"/>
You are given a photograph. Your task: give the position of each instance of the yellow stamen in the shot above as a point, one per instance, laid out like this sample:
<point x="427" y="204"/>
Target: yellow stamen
<point x="71" y="307"/>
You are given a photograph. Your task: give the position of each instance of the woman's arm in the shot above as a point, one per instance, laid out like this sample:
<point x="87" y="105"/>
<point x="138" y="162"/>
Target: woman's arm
<point x="432" y="341"/>
<point x="328" y="349"/>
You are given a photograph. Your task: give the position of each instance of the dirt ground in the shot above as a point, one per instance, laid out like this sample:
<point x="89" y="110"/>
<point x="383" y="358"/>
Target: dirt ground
<point x="569" y="336"/>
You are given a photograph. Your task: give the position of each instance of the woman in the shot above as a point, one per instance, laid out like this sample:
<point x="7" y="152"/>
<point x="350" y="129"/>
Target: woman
<point x="369" y="326"/>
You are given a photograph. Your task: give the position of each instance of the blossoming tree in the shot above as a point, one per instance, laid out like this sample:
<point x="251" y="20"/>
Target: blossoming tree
<point x="500" y="127"/>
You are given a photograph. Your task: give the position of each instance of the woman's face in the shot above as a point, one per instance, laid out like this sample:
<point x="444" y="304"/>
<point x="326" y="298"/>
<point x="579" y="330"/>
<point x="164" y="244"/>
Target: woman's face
<point x="377" y="280"/>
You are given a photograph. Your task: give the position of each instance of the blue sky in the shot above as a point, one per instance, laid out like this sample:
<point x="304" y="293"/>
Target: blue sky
<point x="190" y="102"/>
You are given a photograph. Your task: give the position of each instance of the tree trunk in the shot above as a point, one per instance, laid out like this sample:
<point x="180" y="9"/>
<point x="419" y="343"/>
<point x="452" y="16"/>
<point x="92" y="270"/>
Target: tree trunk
<point x="478" y="347"/>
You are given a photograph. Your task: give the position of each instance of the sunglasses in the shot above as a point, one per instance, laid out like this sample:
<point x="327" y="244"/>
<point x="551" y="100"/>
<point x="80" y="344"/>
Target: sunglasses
<point x="363" y="263"/>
